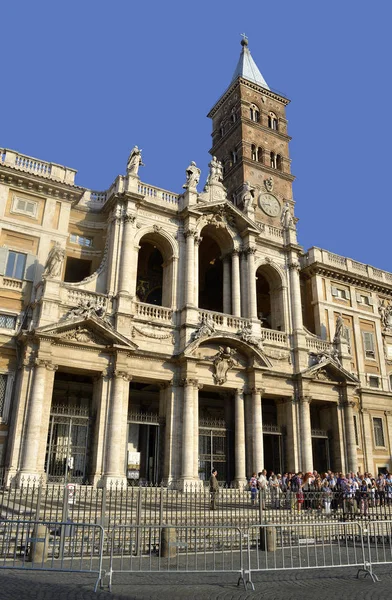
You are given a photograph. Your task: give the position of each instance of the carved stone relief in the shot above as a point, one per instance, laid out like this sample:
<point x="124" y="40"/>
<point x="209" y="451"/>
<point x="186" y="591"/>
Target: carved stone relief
<point x="223" y="362"/>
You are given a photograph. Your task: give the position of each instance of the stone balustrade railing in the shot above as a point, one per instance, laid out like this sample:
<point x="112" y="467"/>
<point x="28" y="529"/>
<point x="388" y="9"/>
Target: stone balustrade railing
<point x="345" y="264"/>
<point x="275" y="337"/>
<point x="316" y="345"/>
<point x="74" y="297"/>
<point x="222" y="321"/>
<point x="157" y="194"/>
<point x="12" y="284"/>
<point x="319" y="433"/>
<point x="151" y="312"/>
<point x="22" y="162"/>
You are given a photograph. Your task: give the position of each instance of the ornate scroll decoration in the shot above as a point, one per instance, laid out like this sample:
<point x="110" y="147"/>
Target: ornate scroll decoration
<point x="47" y="364"/>
<point x="269" y="184"/>
<point x="156" y="335"/>
<point x="205" y="329"/>
<point x="223" y="361"/>
<point x="246" y="335"/>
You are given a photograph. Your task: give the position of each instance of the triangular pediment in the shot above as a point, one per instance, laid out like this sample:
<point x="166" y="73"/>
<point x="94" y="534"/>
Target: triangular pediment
<point x="225" y="211"/>
<point x="251" y="353"/>
<point x="329" y="371"/>
<point x="87" y="331"/>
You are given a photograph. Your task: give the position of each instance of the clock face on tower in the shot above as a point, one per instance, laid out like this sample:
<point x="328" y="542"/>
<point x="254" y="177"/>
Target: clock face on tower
<point x="269" y="204"/>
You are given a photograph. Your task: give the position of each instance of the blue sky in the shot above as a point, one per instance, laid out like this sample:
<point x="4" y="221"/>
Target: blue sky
<point x="82" y="82"/>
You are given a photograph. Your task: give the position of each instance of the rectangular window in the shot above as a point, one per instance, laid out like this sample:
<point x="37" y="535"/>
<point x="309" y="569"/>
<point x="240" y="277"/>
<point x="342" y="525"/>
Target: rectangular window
<point x="7" y="321"/>
<point x="16" y="262"/>
<point x="378" y="432"/>
<point x="25" y="207"/>
<point x="340" y="293"/>
<point x="368" y="344"/>
<point x="374" y="381"/>
<point x="364" y="299"/>
<point x="80" y="240"/>
<point x="356" y="430"/>
<point x="3" y="391"/>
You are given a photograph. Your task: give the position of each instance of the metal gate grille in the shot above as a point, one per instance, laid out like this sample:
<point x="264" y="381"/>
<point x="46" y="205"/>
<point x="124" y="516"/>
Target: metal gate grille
<point x="67" y="446"/>
<point x="213" y="453"/>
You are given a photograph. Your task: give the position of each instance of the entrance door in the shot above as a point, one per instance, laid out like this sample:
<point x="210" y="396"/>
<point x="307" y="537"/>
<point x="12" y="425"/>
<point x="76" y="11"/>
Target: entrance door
<point x="144" y="452"/>
<point x="67" y="448"/>
<point x="273" y="453"/>
<point x="320" y="449"/>
<point x="214" y="452"/>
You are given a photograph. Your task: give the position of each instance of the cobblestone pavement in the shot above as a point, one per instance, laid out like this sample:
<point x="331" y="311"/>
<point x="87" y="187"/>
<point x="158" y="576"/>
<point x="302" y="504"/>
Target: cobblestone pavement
<point x="301" y="585"/>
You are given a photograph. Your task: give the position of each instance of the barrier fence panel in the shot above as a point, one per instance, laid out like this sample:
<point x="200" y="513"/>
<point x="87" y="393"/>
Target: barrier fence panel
<point x="378" y="542"/>
<point x="52" y="546"/>
<point x="176" y="549"/>
<point x="273" y="547"/>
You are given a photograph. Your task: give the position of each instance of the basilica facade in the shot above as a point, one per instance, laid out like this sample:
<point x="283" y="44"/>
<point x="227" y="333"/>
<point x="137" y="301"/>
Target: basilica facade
<point x="152" y="335"/>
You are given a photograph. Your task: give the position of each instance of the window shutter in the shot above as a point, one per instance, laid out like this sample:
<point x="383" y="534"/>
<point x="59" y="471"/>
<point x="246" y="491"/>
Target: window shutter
<point x="347" y="294"/>
<point x="371" y="301"/>
<point x="30" y="267"/>
<point x="358" y="296"/>
<point x="334" y="291"/>
<point x="3" y="259"/>
<point x="368" y="341"/>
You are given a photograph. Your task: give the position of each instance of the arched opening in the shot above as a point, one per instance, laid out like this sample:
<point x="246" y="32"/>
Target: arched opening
<point x="270" y="299"/>
<point x="155" y="276"/>
<point x="210" y="275"/>
<point x="214" y="277"/>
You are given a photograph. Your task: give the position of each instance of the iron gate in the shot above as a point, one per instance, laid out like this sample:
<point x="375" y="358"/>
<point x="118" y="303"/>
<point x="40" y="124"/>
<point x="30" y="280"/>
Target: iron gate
<point x="67" y="446"/>
<point x="214" y="452"/>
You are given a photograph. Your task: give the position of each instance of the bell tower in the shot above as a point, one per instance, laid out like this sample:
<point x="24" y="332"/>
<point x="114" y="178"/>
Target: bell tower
<point x="249" y="137"/>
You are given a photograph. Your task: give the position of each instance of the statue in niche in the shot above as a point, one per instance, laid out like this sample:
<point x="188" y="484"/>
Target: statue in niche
<point x="134" y="161"/>
<point x="223" y="361"/>
<point x="54" y="262"/>
<point x="246" y="196"/>
<point x="192" y="177"/>
<point x="286" y="218"/>
<point x="385" y="311"/>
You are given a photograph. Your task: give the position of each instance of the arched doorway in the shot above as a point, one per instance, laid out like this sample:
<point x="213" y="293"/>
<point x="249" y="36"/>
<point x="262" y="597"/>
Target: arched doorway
<point x="155" y="272"/>
<point x="270" y="298"/>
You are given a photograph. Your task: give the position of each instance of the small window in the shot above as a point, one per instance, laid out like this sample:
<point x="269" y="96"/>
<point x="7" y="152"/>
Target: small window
<point x="368" y="344"/>
<point x="80" y="240"/>
<point x="16" y="263"/>
<point x="222" y="129"/>
<point x="260" y="154"/>
<point x="24" y="207"/>
<point x="390" y="382"/>
<point x="364" y="299"/>
<point x="3" y="392"/>
<point x="233" y="116"/>
<point x="356" y="430"/>
<point x="7" y="321"/>
<point x="254" y="113"/>
<point x="378" y="432"/>
<point x="272" y="121"/>
<point x="340" y="293"/>
<point x="234" y="157"/>
<point x="374" y="381"/>
<point x="279" y="162"/>
<point x="253" y="152"/>
<point x="273" y="160"/>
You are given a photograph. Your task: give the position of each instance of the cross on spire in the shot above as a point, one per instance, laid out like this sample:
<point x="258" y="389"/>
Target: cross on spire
<point x="244" y="41"/>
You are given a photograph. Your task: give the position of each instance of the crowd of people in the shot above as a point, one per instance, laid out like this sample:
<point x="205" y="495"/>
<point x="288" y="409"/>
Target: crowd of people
<point x="353" y="492"/>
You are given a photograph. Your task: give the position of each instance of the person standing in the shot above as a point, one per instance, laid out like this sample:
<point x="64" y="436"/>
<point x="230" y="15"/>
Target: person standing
<point x="214" y="488"/>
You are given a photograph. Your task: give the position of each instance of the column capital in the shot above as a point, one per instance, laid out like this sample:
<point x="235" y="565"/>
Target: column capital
<point x="235" y="252"/>
<point x="128" y="219"/>
<point x="118" y="374"/>
<point x="305" y="399"/>
<point x="257" y="390"/>
<point x="189" y="382"/>
<point x="251" y="250"/>
<point x="388" y="413"/>
<point x="190" y="232"/>
<point x="47" y="364"/>
<point x="293" y="265"/>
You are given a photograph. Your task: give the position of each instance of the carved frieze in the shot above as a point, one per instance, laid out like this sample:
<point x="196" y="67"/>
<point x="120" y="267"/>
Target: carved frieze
<point x="83" y="335"/>
<point x="223" y="362"/>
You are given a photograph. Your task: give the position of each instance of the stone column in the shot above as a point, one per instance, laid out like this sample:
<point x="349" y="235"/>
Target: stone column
<point x="39" y="396"/>
<point x="257" y="437"/>
<point x="188" y="431"/>
<point x="244" y="284"/>
<point x="100" y="405"/>
<point x="295" y="295"/>
<point x="190" y="267"/>
<point x="173" y="442"/>
<point x="226" y="286"/>
<point x="198" y="241"/>
<point x="351" y="446"/>
<point x="235" y="284"/>
<point x="252" y="293"/>
<point x="367" y="440"/>
<point x="127" y="256"/>
<point x="306" y="434"/>
<point x="239" y="439"/>
<point x="196" y="431"/>
<point x="293" y="458"/>
<point x="116" y="431"/>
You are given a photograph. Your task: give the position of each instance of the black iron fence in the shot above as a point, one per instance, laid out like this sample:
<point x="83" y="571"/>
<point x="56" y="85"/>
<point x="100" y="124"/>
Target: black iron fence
<point x="157" y="505"/>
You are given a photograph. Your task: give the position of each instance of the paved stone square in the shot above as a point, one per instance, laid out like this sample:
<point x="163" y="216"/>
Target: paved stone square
<point x="298" y="585"/>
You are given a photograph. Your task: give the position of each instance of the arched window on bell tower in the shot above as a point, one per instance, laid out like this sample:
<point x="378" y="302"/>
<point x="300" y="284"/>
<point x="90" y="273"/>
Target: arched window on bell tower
<point x="260" y="154"/>
<point x="273" y="121"/>
<point x="254" y="113"/>
<point x="253" y="152"/>
<point x="273" y="160"/>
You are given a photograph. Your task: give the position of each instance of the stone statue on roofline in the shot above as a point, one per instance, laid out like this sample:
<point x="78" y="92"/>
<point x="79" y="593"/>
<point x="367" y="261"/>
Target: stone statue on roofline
<point x="192" y="177"/>
<point x="286" y="218"/>
<point x="54" y="262"/>
<point x="216" y="170"/>
<point x="134" y="161"/>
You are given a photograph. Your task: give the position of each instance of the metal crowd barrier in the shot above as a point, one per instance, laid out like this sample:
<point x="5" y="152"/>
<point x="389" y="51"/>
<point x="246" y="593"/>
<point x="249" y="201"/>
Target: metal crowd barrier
<point x="378" y="543"/>
<point x="176" y="549"/>
<point x="273" y="547"/>
<point x="52" y="546"/>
